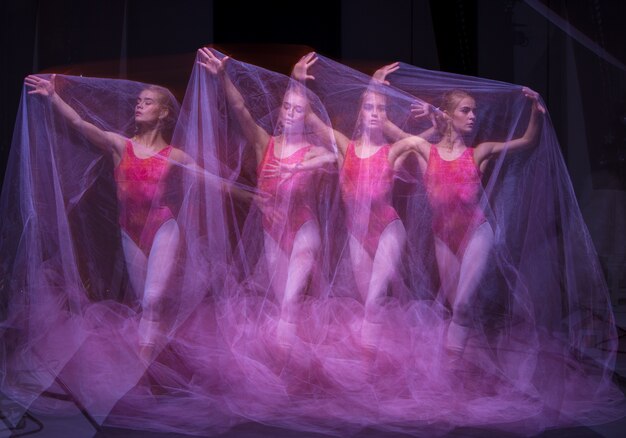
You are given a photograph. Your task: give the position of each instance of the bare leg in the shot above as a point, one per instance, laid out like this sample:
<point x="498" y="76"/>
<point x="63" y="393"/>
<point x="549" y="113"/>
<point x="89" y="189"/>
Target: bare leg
<point x="303" y="254"/>
<point x="277" y="262"/>
<point x="160" y="266"/>
<point x="306" y="245"/>
<point x="136" y="265"/>
<point x="473" y="266"/>
<point x="384" y="269"/>
<point x="361" y="266"/>
<point x="385" y="265"/>
<point x="449" y="267"/>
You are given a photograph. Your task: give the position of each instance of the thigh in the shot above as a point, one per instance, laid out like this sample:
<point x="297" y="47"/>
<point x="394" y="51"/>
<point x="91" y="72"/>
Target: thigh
<point x="277" y="261"/>
<point x="449" y="267"/>
<point x="307" y="239"/>
<point x="479" y="246"/>
<point x="361" y="265"/>
<point x="163" y="254"/>
<point x="474" y="262"/>
<point x="391" y="242"/>
<point x="136" y="264"/>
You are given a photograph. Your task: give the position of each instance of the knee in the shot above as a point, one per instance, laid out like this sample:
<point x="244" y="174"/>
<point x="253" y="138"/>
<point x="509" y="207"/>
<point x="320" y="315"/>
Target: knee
<point x="462" y="314"/>
<point x="151" y="305"/>
<point x="374" y="308"/>
<point x="289" y="307"/>
<point x="307" y="245"/>
<point x="393" y="239"/>
<point x="396" y="233"/>
<point x="314" y="243"/>
<point x="487" y="234"/>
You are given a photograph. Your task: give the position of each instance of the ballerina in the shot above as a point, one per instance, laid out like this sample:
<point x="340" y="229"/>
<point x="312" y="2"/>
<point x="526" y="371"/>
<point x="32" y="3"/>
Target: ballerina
<point x="150" y="232"/>
<point x="286" y="172"/>
<point x="376" y="235"/>
<point x="452" y="175"/>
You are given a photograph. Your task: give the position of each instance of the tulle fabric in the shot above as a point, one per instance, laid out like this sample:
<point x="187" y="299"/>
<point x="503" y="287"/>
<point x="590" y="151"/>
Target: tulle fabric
<point x="74" y="320"/>
<point x="539" y="327"/>
<point x="231" y="346"/>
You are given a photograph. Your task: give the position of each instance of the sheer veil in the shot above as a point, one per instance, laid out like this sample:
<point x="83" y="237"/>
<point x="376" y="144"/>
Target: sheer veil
<point x="326" y="252"/>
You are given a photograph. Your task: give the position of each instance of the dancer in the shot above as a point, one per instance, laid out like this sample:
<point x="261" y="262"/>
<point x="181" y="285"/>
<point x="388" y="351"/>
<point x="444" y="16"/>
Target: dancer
<point x="149" y="230"/>
<point x="452" y="173"/>
<point x="376" y="234"/>
<point x="287" y="164"/>
<point x="542" y="347"/>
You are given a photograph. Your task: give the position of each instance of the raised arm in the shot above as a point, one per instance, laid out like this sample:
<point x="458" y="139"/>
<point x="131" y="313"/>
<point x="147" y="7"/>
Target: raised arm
<point x="330" y="135"/>
<point x="418" y="109"/>
<point x="252" y="131"/>
<point x="107" y="141"/>
<point x="327" y="133"/>
<point x="485" y="151"/>
<point x="390" y="130"/>
<point x="414" y="144"/>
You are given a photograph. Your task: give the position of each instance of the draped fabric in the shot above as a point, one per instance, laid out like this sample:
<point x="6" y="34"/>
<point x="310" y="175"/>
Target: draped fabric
<point x="79" y="300"/>
<point x="333" y="252"/>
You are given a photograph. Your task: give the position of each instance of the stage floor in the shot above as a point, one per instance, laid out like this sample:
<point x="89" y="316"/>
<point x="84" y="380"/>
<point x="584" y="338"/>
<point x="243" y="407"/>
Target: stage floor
<point x="78" y="427"/>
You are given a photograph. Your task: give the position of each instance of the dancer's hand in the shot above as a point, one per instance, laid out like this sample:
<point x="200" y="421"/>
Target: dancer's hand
<point x="240" y="193"/>
<point x="210" y="62"/>
<point x="40" y="86"/>
<point x="301" y="69"/>
<point x="531" y="94"/>
<point x="266" y="204"/>
<point x="380" y="75"/>
<point x="423" y="109"/>
<point x="275" y="169"/>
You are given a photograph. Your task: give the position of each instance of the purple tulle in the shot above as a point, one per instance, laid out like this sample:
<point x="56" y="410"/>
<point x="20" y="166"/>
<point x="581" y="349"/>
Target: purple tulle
<point x="318" y="274"/>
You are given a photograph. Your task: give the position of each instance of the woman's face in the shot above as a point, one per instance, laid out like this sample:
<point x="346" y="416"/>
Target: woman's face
<point x="463" y="117"/>
<point x="373" y="111"/>
<point x="148" y="110"/>
<point x="293" y="112"/>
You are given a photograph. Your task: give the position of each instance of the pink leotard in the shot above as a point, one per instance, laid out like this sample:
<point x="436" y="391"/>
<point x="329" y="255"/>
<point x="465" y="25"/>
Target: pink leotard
<point x="141" y="184"/>
<point x="292" y="199"/>
<point x="366" y="187"/>
<point x="454" y="189"/>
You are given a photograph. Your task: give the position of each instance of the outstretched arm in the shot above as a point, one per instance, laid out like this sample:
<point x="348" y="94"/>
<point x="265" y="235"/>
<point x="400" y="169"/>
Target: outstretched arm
<point x="486" y="150"/>
<point x="107" y="141"/>
<point x="252" y="131"/>
<point x="190" y="165"/>
<point x="316" y="158"/>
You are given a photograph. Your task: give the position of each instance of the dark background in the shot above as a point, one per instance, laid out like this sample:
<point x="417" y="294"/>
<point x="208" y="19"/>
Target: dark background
<point x="572" y="52"/>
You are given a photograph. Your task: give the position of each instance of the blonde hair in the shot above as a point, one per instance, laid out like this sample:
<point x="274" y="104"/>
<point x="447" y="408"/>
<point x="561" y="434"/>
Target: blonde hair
<point x="299" y="90"/>
<point x="373" y="90"/>
<point x="167" y="100"/>
<point x="449" y="101"/>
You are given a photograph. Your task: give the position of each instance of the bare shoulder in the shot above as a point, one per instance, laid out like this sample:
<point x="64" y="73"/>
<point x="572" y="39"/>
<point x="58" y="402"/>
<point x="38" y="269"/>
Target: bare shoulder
<point x="116" y="141"/>
<point x="484" y="151"/>
<point x="180" y="156"/>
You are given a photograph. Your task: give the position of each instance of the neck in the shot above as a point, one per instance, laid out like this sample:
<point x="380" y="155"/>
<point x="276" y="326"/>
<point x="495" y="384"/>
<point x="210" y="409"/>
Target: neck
<point x="291" y="138"/>
<point x="453" y="141"/>
<point x="151" y="138"/>
<point x="372" y="138"/>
